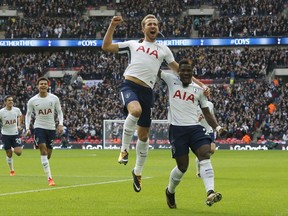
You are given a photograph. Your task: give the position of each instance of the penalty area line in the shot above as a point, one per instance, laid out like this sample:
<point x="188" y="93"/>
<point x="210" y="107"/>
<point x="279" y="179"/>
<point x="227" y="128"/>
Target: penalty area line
<point x="66" y="187"/>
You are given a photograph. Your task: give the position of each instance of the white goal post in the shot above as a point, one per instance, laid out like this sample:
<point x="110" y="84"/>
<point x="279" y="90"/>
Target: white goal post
<point x="112" y="134"/>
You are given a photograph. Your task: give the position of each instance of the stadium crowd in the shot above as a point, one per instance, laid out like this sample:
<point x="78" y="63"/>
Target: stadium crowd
<point x="242" y="107"/>
<point x="66" y="19"/>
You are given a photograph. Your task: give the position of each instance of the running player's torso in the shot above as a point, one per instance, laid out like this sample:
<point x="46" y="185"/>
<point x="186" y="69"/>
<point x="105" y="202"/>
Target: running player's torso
<point x="183" y="101"/>
<point x="44" y="109"/>
<point x="145" y="59"/>
<point x="9" y="120"/>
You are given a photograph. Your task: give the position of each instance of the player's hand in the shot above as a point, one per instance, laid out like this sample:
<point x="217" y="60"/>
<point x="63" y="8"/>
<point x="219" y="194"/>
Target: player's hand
<point x="222" y="132"/>
<point x="201" y="117"/>
<point x="116" y="20"/>
<point x="207" y="91"/>
<point x="28" y="132"/>
<point x="60" y="129"/>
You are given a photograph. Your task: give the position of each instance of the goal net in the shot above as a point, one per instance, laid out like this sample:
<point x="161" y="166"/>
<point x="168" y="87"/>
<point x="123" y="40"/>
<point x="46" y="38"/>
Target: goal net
<point x="112" y="134"/>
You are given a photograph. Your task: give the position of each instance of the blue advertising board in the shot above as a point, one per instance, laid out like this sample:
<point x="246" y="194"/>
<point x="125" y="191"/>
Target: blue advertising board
<point x="255" y="41"/>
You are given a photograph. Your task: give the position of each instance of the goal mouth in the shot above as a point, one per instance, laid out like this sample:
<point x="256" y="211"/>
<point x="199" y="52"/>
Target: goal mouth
<point x="158" y="137"/>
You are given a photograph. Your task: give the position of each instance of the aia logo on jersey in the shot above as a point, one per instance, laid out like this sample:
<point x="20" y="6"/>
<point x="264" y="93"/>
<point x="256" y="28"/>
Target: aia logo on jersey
<point x="10" y="122"/>
<point x="184" y="96"/>
<point x="45" y="111"/>
<point x="148" y="51"/>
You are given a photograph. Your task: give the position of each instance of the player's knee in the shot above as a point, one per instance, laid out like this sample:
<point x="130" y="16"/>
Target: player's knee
<point x="9" y="154"/>
<point x="204" y="155"/>
<point x="18" y="153"/>
<point x="213" y="148"/>
<point x="212" y="151"/>
<point x="143" y="138"/>
<point x="143" y="134"/>
<point x="135" y="111"/>
<point x="183" y="168"/>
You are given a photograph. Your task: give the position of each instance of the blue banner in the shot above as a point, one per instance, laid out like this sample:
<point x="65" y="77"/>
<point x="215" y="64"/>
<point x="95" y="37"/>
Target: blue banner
<point x="267" y="41"/>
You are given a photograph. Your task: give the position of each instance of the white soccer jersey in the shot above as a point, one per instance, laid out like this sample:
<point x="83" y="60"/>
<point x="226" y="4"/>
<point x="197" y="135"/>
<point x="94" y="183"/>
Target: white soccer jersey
<point x="44" y="108"/>
<point x="145" y="59"/>
<point x="203" y="122"/>
<point x="183" y="101"/>
<point x="9" y="119"/>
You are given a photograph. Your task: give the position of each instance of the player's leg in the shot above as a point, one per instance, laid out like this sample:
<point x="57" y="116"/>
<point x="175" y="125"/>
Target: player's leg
<point x="207" y="173"/>
<point x="133" y="110"/>
<point x="8" y="142"/>
<point x="142" y="147"/>
<point x="41" y="138"/>
<point x="179" y="139"/>
<point x="129" y="127"/>
<point x="197" y="164"/>
<point x="9" y="161"/>
<point x="213" y="148"/>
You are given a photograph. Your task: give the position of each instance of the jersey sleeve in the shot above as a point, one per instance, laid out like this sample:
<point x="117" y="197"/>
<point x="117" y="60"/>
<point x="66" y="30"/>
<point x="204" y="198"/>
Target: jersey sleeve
<point x="124" y="47"/>
<point x="203" y="101"/>
<point x="28" y="114"/>
<point x="19" y="113"/>
<point x="167" y="77"/>
<point x="59" y="111"/>
<point x="169" y="58"/>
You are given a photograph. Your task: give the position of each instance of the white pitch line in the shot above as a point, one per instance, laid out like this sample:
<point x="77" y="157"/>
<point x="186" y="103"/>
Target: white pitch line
<point x="65" y="187"/>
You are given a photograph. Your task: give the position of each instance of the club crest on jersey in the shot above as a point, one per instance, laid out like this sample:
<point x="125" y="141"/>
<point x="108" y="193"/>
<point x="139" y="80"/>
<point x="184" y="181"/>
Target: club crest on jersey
<point x="184" y="96"/>
<point x="148" y="51"/>
<point x="196" y="90"/>
<point x="127" y="95"/>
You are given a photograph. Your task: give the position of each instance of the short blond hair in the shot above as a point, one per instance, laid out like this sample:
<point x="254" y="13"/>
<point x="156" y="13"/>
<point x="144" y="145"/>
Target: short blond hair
<point x="149" y="16"/>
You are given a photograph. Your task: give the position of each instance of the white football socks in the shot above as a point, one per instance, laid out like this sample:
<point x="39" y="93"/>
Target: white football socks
<point x="128" y="131"/>
<point x="10" y="163"/>
<point x="46" y="166"/>
<point x="141" y="155"/>
<point x="174" y="180"/>
<point x="207" y="174"/>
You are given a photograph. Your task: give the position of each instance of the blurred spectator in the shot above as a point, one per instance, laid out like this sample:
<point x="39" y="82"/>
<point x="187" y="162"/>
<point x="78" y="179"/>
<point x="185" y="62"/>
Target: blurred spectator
<point x="246" y="139"/>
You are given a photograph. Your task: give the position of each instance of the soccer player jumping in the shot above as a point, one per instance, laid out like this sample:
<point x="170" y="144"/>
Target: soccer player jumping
<point x="136" y="91"/>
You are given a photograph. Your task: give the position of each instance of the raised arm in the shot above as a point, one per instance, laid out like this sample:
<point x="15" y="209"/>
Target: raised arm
<point x="107" y="44"/>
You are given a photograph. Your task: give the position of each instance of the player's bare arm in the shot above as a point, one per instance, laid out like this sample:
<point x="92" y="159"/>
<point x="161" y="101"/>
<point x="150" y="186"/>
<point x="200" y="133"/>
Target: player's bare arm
<point x="19" y="122"/>
<point x="107" y="41"/>
<point x="210" y="118"/>
<point x="174" y="66"/>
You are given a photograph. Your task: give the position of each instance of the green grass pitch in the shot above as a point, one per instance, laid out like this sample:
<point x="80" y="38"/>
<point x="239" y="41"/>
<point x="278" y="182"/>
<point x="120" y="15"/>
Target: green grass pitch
<point x="91" y="182"/>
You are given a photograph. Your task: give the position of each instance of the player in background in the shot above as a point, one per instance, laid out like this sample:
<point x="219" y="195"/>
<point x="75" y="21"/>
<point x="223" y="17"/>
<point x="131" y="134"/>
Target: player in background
<point x="11" y="119"/>
<point x="209" y="129"/>
<point x="185" y="131"/>
<point x="44" y="105"/>
<point x="136" y="91"/>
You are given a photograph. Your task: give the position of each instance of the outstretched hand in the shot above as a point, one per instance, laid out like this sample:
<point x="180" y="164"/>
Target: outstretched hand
<point x="223" y="132"/>
<point x="207" y="91"/>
